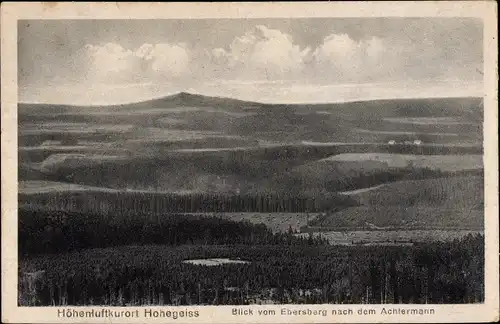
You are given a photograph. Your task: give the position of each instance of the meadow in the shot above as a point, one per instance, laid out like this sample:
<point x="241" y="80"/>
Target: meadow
<point x="439" y="162"/>
<point x="452" y="203"/>
<point x="391" y="237"/>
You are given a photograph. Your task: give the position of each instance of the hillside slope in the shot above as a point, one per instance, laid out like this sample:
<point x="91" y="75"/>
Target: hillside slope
<point x="442" y="203"/>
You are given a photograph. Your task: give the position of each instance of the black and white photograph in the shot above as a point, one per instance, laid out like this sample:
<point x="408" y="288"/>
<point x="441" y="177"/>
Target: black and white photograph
<point x="250" y="161"/>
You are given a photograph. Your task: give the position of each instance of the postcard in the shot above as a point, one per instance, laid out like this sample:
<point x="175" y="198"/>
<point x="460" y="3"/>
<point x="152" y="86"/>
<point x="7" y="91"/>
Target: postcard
<point x="280" y="162"/>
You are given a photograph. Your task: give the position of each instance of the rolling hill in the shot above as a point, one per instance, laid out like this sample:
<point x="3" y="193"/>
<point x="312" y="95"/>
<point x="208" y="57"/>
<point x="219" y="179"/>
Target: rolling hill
<point x="364" y="121"/>
<point x="198" y="144"/>
<point x="441" y="203"/>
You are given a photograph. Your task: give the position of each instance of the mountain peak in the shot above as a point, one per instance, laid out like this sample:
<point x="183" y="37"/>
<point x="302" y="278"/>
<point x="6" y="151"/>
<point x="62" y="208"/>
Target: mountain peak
<point x="184" y="94"/>
<point x="195" y="99"/>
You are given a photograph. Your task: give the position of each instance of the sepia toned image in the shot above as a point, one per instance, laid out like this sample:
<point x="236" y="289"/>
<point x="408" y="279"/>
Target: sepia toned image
<point x="250" y="161"/>
<point x="332" y="181"/>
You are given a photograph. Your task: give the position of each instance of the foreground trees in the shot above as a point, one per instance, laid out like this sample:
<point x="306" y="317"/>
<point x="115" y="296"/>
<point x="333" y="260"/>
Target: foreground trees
<point x="450" y="272"/>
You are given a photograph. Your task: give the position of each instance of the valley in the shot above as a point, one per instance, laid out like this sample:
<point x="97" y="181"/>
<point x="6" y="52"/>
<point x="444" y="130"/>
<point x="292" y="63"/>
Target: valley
<point x="221" y="184"/>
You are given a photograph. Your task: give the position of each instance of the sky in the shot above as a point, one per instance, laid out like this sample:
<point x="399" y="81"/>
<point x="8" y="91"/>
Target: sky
<point x="268" y="60"/>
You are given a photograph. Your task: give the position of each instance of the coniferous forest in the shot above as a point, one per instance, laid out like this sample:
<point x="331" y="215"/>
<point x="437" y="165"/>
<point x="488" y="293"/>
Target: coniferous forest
<point x="87" y="262"/>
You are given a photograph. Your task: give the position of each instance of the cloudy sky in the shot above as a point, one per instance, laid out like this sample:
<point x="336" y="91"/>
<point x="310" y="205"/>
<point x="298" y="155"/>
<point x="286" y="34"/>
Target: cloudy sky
<point x="267" y="60"/>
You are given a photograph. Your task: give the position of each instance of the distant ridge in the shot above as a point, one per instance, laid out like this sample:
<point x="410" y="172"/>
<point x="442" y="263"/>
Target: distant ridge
<point x="168" y="101"/>
<point x="416" y="107"/>
<point x="187" y="98"/>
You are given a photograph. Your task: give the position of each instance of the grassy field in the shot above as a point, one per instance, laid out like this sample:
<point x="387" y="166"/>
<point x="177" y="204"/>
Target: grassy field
<point x="460" y="192"/>
<point x="40" y="187"/>
<point x="442" y="203"/>
<point x="428" y="120"/>
<point x="214" y="262"/>
<point x="174" y="169"/>
<point x="277" y="222"/>
<point x="392" y="237"/>
<point x="359" y="191"/>
<point x="439" y="162"/>
<point x="400" y="217"/>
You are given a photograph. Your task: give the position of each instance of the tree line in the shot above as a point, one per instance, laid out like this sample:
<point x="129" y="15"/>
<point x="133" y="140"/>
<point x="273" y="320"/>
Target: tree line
<point x="150" y="203"/>
<point x="56" y="232"/>
<point x="434" y="273"/>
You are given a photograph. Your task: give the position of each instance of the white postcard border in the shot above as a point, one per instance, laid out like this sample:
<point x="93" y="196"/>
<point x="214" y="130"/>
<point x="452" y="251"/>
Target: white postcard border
<point x="11" y="12"/>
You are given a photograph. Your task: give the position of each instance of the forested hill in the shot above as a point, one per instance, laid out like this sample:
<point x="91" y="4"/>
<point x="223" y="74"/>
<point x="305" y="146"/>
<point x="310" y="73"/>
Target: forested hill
<point x="426" y="107"/>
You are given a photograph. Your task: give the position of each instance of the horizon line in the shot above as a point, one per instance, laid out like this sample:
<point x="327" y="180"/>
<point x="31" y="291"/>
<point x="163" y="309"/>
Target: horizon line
<point x="166" y="96"/>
